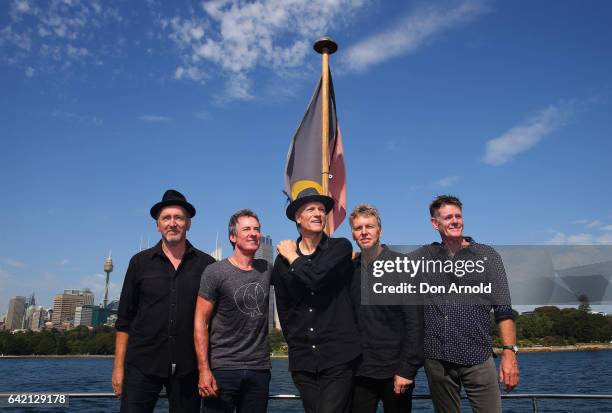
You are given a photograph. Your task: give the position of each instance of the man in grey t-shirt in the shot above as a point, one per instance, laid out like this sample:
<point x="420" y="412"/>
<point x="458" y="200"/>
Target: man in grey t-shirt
<point x="231" y="324"/>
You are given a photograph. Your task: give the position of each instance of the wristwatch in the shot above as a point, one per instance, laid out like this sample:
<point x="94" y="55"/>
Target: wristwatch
<point x="512" y="347"/>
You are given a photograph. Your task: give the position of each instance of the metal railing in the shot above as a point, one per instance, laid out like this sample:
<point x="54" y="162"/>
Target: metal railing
<point x="534" y="397"/>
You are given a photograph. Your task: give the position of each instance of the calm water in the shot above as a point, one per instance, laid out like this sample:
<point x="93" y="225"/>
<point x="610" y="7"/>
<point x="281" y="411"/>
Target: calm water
<point x="581" y="372"/>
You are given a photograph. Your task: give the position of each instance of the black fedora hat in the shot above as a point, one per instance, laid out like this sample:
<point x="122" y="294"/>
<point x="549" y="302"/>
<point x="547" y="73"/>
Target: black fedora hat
<point x="172" y="197"/>
<point x="305" y="196"/>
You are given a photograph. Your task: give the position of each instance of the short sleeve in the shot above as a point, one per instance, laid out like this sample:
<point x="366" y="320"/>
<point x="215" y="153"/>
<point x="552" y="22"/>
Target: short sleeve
<point x="209" y="284"/>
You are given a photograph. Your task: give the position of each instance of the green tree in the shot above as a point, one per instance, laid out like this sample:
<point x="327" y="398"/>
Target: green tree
<point x="102" y="343"/>
<point x="61" y="345"/>
<point x="534" y="326"/>
<point x="17" y="345"/>
<point x="46" y="345"/>
<point x="584" y="305"/>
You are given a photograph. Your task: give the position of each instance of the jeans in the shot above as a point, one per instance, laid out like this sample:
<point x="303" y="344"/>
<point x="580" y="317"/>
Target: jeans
<point x="242" y="390"/>
<point x="141" y="391"/>
<point x="479" y="381"/>
<point x="368" y="392"/>
<point x="326" y="391"/>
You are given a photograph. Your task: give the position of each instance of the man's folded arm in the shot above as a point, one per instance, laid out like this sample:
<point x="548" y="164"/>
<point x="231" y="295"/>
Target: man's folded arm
<point x="317" y="273"/>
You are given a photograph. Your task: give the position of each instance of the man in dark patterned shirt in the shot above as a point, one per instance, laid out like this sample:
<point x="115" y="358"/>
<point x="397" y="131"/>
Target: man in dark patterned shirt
<point x="458" y="346"/>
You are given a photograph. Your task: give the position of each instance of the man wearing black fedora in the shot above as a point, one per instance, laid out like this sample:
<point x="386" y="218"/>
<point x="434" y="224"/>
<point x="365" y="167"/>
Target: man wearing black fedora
<point x="154" y="345"/>
<point x="312" y="279"/>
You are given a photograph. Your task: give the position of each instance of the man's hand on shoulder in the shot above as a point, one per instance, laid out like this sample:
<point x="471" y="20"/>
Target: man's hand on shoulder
<point x="207" y="385"/>
<point x="509" y="371"/>
<point x="401" y="384"/>
<point x="288" y="249"/>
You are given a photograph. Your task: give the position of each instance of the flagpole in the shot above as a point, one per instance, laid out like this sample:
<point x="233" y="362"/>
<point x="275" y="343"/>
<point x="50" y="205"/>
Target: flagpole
<point x="325" y="46"/>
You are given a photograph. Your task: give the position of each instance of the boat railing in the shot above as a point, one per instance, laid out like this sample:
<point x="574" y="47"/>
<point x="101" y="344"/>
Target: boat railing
<point x="534" y="397"/>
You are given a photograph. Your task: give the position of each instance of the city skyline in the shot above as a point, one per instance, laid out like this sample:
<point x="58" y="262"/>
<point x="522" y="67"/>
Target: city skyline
<point x="105" y="105"/>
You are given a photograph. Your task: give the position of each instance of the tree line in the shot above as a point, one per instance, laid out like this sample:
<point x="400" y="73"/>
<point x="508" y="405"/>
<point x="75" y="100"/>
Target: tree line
<point x="81" y="341"/>
<point x="552" y="326"/>
<point x="548" y="326"/>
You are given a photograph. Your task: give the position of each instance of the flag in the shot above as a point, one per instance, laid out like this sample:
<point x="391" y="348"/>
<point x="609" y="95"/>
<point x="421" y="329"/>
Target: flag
<point x="303" y="168"/>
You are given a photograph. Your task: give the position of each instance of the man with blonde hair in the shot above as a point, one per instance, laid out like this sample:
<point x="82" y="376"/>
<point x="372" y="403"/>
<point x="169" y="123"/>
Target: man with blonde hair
<point x="391" y="335"/>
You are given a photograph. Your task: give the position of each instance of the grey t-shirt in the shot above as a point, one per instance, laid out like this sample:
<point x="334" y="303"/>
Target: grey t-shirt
<point x="238" y="335"/>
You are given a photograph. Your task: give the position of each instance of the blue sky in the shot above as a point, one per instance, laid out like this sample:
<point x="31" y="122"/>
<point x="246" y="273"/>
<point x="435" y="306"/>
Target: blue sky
<point x="104" y="105"/>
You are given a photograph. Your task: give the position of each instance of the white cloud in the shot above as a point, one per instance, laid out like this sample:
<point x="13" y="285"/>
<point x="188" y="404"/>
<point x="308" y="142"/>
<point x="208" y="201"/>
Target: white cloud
<point x="580" y="221"/>
<point x="29" y="71"/>
<point x="238" y="87"/>
<point x="202" y="115"/>
<point x="606" y="228"/>
<point x="96" y="283"/>
<point x="21" y="6"/>
<point x="155" y="118"/>
<point x="605" y="238"/>
<point x="561" y="238"/>
<point x="410" y="33"/>
<point x="21" y="40"/>
<point x="51" y="35"/>
<point x="521" y="138"/>
<point x="5" y="275"/>
<point x="78" y="118"/>
<point x="14" y="263"/>
<point x="593" y="224"/>
<point x="63" y="262"/>
<point x="447" y="181"/>
<point x="234" y="37"/>
<point x="190" y="72"/>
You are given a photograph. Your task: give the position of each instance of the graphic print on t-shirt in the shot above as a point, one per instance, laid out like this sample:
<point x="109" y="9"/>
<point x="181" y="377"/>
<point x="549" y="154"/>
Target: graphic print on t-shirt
<point x="250" y="299"/>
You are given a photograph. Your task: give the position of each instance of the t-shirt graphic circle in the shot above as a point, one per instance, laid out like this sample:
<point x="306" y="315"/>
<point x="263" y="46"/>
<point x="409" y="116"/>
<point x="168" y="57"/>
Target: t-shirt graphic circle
<point x="250" y="298"/>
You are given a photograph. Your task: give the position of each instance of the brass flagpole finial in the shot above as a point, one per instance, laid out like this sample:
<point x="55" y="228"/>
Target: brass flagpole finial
<point x="326" y="44"/>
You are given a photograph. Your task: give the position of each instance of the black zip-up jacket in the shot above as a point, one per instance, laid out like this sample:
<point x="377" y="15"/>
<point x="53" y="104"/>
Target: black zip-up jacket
<point x="391" y="335"/>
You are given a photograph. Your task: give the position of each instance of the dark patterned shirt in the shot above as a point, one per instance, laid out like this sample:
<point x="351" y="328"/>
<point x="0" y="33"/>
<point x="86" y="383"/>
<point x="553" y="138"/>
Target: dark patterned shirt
<point x="459" y="332"/>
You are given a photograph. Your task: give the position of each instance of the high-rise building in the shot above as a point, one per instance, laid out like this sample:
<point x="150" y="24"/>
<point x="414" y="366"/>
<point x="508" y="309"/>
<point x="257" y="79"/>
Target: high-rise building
<point x="217" y="254"/>
<point x="88" y="296"/>
<point x="27" y="319"/>
<point x="64" y="305"/>
<point x="16" y="313"/>
<point x="100" y="315"/>
<point x="266" y="252"/>
<point x="37" y="322"/>
<point x="83" y="315"/>
<point x="30" y="300"/>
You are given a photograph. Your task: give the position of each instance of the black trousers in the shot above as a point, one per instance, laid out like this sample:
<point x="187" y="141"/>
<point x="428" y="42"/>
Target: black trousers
<point x="368" y="392"/>
<point x="141" y="391"/>
<point x="326" y="391"/>
<point x="242" y="391"/>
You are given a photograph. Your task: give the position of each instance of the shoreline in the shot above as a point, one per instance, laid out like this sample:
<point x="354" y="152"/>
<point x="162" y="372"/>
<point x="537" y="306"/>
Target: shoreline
<point x="559" y="349"/>
<point x="532" y="349"/>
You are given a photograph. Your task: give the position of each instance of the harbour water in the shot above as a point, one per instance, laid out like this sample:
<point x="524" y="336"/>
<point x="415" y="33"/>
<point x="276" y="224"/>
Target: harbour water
<point x="566" y="372"/>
